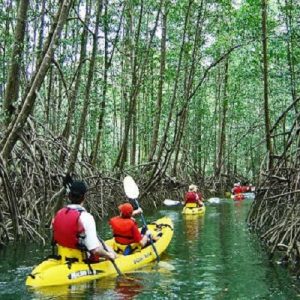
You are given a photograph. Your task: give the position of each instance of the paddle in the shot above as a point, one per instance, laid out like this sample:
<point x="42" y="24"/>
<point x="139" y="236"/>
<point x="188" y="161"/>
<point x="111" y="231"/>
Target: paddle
<point x="132" y="192"/>
<point x="169" y="202"/>
<point x="112" y="261"/>
<point x="214" y="200"/>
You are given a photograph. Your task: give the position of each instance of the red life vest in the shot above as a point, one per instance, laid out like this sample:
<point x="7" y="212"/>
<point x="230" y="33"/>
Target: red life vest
<point x="190" y="197"/>
<point x="237" y="190"/>
<point x="123" y="230"/>
<point x="66" y="228"/>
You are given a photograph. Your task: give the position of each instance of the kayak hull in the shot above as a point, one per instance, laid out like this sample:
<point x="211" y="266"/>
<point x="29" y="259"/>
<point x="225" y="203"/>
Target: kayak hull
<point x="193" y="210"/>
<point x="52" y="272"/>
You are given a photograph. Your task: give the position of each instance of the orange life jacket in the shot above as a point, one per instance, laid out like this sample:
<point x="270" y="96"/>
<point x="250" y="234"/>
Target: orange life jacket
<point x="122" y="230"/>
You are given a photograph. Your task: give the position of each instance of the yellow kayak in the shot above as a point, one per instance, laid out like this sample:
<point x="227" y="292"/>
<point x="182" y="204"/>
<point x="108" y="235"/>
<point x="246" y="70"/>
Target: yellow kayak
<point x="66" y="270"/>
<point x="193" y="209"/>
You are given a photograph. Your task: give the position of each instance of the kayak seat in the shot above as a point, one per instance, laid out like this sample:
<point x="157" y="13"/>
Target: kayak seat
<point x="126" y="249"/>
<point x="160" y="226"/>
<point x="69" y="255"/>
<point x="70" y="261"/>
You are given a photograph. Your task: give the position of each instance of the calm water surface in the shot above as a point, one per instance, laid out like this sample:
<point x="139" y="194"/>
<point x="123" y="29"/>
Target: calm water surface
<point x="210" y="257"/>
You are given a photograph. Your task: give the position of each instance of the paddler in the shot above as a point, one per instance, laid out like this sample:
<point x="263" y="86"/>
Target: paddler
<point x="126" y="233"/>
<point x="75" y="228"/>
<point x="193" y="196"/>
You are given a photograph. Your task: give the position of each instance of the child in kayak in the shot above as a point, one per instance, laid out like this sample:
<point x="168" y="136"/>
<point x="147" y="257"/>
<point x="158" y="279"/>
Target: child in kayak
<point x="127" y="236"/>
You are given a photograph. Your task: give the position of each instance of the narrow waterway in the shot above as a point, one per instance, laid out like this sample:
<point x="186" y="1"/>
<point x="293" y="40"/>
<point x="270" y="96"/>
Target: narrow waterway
<point x="210" y="257"/>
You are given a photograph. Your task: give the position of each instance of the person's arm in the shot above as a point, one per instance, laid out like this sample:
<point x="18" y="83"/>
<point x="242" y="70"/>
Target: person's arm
<point x="110" y="254"/>
<point x="91" y="240"/>
<point x="137" y="236"/>
<point x="137" y="211"/>
<point x="144" y="241"/>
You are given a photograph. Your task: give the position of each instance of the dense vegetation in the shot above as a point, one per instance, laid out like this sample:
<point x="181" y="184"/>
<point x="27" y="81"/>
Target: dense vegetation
<point x="167" y="91"/>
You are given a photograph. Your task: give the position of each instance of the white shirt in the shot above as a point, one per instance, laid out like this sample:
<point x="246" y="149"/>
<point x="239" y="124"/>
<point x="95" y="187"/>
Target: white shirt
<point x="91" y="240"/>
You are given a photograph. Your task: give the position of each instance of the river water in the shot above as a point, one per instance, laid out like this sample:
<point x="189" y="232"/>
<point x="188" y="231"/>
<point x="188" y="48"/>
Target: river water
<point x="210" y="257"/>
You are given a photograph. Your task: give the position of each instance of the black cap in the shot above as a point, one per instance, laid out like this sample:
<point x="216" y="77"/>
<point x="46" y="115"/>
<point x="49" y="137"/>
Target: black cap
<point x="78" y="188"/>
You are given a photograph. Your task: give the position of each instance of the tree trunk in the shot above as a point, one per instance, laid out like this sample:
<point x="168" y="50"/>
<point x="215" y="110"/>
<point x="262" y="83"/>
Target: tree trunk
<point x="290" y="50"/>
<point x="81" y="129"/>
<point x="189" y="81"/>
<point x="74" y="89"/>
<point x="16" y="126"/>
<point x="41" y="33"/>
<point x="107" y="64"/>
<point x="157" y="170"/>
<point x="222" y="136"/>
<point x="13" y="80"/>
<point x="129" y="65"/>
<point x="138" y="71"/>
<point x="266" y="83"/>
<point x="94" y="154"/>
<point x="160" y="86"/>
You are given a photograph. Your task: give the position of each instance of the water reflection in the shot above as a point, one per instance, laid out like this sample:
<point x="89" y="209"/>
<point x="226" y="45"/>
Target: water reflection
<point x="126" y="287"/>
<point x="193" y="225"/>
<point x="61" y="292"/>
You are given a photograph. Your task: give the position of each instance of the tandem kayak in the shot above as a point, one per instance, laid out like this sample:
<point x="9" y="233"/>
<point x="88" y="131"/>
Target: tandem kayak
<point x="65" y="270"/>
<point x="193" y="209"/>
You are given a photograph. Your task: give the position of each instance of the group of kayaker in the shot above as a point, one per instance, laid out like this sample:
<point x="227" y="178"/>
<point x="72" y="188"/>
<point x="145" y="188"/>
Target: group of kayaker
<point x="238" y="188"/>
<point x="238" y="191"/>
<point x="75" y="228"/>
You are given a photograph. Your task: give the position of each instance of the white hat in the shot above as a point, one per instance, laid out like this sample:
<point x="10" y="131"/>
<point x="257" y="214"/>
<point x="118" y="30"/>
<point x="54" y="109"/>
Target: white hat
<point x="193" y="188"/>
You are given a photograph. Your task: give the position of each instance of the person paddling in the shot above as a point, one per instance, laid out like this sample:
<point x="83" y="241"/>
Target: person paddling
<point x="193" y="196"/>
<point x="125" y="230"/>
<point x="237" y="189"/>
<point x="74" y="228"/>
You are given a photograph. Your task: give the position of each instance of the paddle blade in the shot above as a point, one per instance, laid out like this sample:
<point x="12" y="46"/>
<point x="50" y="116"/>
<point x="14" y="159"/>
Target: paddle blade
<point x="214" y="200"/>
<point x="165" y="265"/>
<point x="169" y="202"/>
<point x="130" y="187"/>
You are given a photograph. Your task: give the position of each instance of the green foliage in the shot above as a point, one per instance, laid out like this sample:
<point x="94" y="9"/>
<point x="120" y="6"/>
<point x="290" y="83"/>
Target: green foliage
<point x="223" y="24"/>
